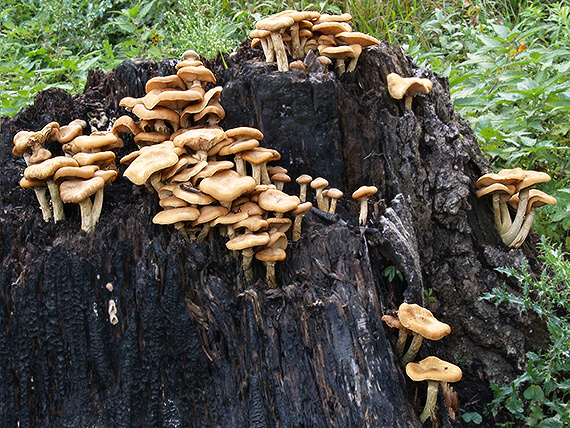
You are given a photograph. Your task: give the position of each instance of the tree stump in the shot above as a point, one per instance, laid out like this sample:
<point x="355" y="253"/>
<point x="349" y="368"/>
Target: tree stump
<point x="197" y="345"/>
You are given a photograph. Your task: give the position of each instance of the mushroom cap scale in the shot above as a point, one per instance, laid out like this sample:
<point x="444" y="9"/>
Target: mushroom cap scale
<point x="421" y="321"/>
<point x="434" y="369"/>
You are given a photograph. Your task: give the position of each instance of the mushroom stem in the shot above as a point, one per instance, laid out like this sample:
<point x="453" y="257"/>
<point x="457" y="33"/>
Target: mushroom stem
<point x="270" y="274"/>
<point x="203" y="233"/>
<point x="44" y="203"/>
<point x="240" y="164"/>
<point x="86" y="208"/>
<point x="340" y="66"/>
<point x="297" y="228"/>
<point x="182" y="229"/>
<point x="303" y="192"/>
<point x="401" y="343"/>
<point x="97" y="207"/>
<point x="57" y="204"/>
<point x="295" y="41"/>
<point x="332" y="207"/>
<point x="515" y="228"/>
<point x="363" y="217"/>
<point x="280" y="53"/>
<point x="413" y="349"/>
<point x="408" y="102"/>
<point x="267" y="49"/>
<point x="525" y="229"/>
<point x="431" y="399"/>
<point x="247" y="258"/>
<point x="321" y="200"/>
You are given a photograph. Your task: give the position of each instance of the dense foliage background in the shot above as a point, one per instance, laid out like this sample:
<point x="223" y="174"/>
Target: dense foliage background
<point x="508" y="63"/>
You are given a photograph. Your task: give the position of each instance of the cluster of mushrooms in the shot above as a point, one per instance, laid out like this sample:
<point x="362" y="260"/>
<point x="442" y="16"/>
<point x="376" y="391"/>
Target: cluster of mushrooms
<point x="87" y="166"/>
<point x="419" y="323"/>
<point x="514" y="187"/>
<point x="294" y="34"/>
<point x="209" y="178"/>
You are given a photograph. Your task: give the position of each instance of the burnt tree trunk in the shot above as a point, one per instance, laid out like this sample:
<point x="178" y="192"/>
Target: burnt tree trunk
<point x="198" y="346"/>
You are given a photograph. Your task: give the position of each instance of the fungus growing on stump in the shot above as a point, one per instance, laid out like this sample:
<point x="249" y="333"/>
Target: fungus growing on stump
<point x="423" y="325"/>
<point x="536" y="198"/>
<point x="407" y="87"/>
<point x="80" y="192"/>
<point x="269" y="256"/>
<point x="434" y="371"/>
<point x="362" y="194"/>
<point x="403" y="333"/>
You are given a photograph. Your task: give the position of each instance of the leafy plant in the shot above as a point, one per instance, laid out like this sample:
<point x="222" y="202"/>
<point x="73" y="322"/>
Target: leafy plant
<point x="541" y="395"/>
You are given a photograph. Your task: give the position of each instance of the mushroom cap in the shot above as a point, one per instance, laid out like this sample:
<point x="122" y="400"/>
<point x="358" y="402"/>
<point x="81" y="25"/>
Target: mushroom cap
<point x="281" y="177"/>
<point x="257" y="155"/>
<point x="212" y="168"/>
<point x="84" y="172"/>
<point x="191" y="73"/>
<point x="46" y="169"/>
<point x="271" y="255"/>
<point x="227" y="185"/>
<point x="29" y="183"/>
<point x="325" y="17"/>
<point x="274" y="23"/>
<point x="394" y="322"/>
<point x="213" y="108"/>
<point x="125" y="124"/>
<point x="304" y="179"/>
<point x="399" y="87"/>
<point x="100" y="158"/>
<point x="302" y="208"/>
<point x="259" y="34"/>
<point x="244" y="132"/>
<point x="157" y="113"/>
<point x="193" y="198"/>
<point x="76" y="191"/>
<point x="190" y="54"/>
<point x="319" y="183"/>
<point x="175" y="215"/>
<point x="97" y="141"/>
<point x="247" y="240"/>
<point x="150" y="160"/>
<point x="172" y="202"/>
<point x="209" y="97"/>
<point x="277" y="201"/>
<point x="200" y="139"/>
<point x="252" y="223"/>
<point x="421" y="321"/>
<point x="531" y="178"/>
<point x="230" y="218"/>
<point x="172" y="98"/>
<point x="251" y="208"/>
<point x="277" y="240"/>
<point x="355" y="37"/>
<point x="337" y="52"/>
<point x="331" y="27"/>
<point x="209" y="213"/>
<point x="432" y="368"/>
<point x="150" y="138"/>
<point x="496" y="187"/>
<point x="68" y="132"/>
<point x="238" y="146"/>
<point x="282" y="224"/>
<point x="505" y="176"/>
<point x="172" y="81"/>
<point x="40" y="156"/>
<point x="364" y="192"/>
<point x="536" y="198"/>
<point x="335" y="193"/>
<point x="186" y="174"/>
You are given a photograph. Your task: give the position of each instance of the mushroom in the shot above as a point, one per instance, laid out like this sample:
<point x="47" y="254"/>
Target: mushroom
<point x="299" y="213"/>
<point x="80" y="192"/>
<point x="353" y="39"/>
<point x="423" y="325"/>
<point x="302" y="181"/>
<point x="275" y="25"/>
<point x="226" y="186"/>
<point x="269" y="256"/>
<point x="177" y="217"/>
<point x="258" y="158"/>
<point x="200" y="140"/>
<point x="536" y="198"/>
<point x="277" y="201"/>
<point x="109" y="176"/>
<point x="264" y="37"/>
<point x="245" y="243"/>
<point x="150" y="161"/>
<point x="362" y="194"/>
<point x="403" y="333"/>
<point x="334" y="195"/>
<point x="40" y="188"/>
<point x="207" y="214"/>
<point x="434" y="371"/>
<point x="279" y="179"/>
<point x="407" y="87"/>
<point x="501" y="194"/>
<point x="319" y="184"/>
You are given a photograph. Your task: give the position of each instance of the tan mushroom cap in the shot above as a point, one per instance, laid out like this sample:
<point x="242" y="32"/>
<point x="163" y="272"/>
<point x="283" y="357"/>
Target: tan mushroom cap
<point x="274" y="23"/>
<point x="172" y="81"/>
<point x="277" y="240"/>
<point x="434" y="369"/>
<point x="97" y="141"/>
<point x="277" y="201"/>
<point x="325" y="17"/>
<point x="248" y="240"/>
<point x="230" y="218"/>
<point x="334" y="193"/>
<point x="212" y="168"/>
<point x="200" y="139"/>
<point x="238" y="146"/>
<point x="257" y="155"/>
<point x="496" y="187"/>
<point x="40" y="156"/>
<point x="245" y="132"/>
<point x="130" y="102"/>
<point x="536" y="198"/>
<point x="190" y="54"/>
<point x="302" y="208"/>
<point x="400" y="87"/>
<point x="84" y="172"/>
<point x="252" y="223"/>
<point x="281" y="224"/>
<point x="193" y="198"/>
<point x="531" y="178"/>
<point x="319" y="183"/>
<point x="209" y="213"/>
<point x="331" y="28"/>
<point x="101" y="159"/>
<point x="68" y="132"/>
<point x="364" y="192"/>
<point x="251" y="208"/>
<point x="46" y="169"/>
<point x="125" y="124"/>
<point x="421" y="321"/>
<point x="394" y="322"/>
<point x="29" y="140"/>
<point x="227" y="185"/>
<point x="355" y="37"/>
<point x="337" y="52"/>
<point x="150" y="160"/>
<point x="271" y="255"/>
<point x="76" y="191"/>
<point x="213" y="108"/>
<point x="188" y="173"/>
<point x="213" y="94"/>
<point x="109" y="175"/>
<point x="305" y="179"/>
<point x="505" y="176"/>
<point x="190" y="74"/>
<point x="157" y="113"/>
<point x="172" y="98"/>
<point x="172" y="202"/>
<point x="175" y="215"/>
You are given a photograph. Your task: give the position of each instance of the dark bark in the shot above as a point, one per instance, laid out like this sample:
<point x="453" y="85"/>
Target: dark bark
<point x="198" y="346"/>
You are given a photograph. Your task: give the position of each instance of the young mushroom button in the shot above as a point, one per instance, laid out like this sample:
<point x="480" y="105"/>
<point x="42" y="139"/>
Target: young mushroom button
<point x="362" y="194"/>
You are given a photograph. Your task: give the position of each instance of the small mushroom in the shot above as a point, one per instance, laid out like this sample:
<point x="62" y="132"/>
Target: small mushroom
<point x="334" y="195"/>
<point x="80" y="192"/>
<point x="536" y="198"/>
<point x="434" y="371"/>
<point x="303" y="180"/>
<point x="319" y="184"/>
<point x="423" y="324"/>
<point x="299" y="213"/>
<point x="274" y="25"/>
<point x="403" y="333"/>
<point x="407" y="87"/>
<point x="269" y="256"/>
<point x="362" y="194"/>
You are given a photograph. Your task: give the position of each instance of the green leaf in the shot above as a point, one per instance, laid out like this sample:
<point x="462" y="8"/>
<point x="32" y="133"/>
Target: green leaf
<point x="534" y="392"/>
